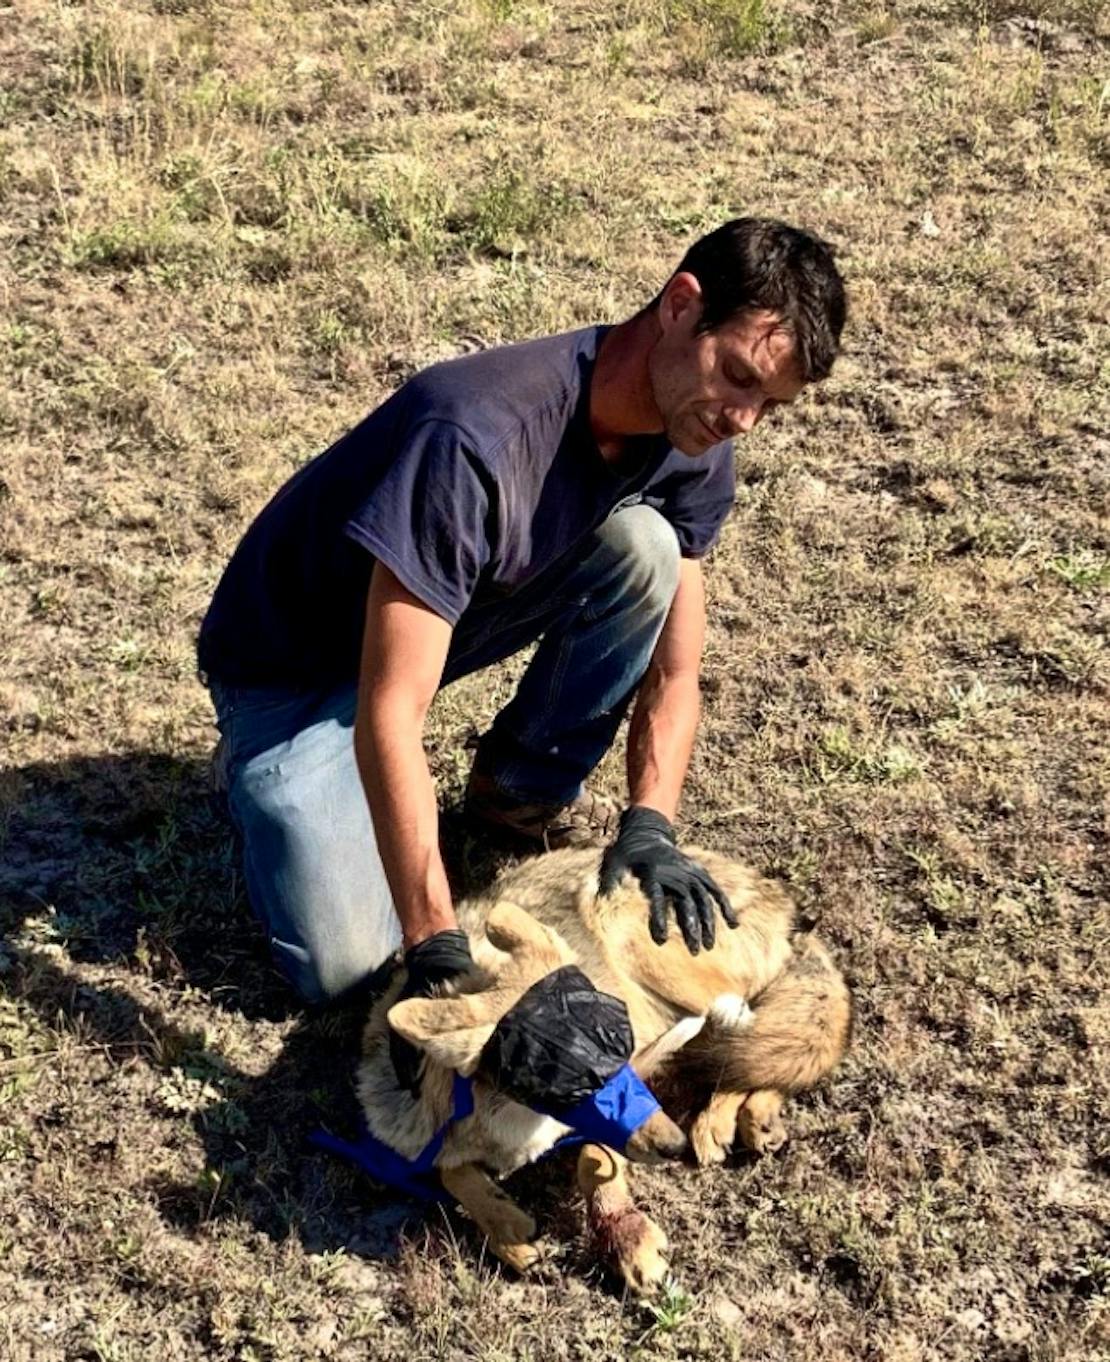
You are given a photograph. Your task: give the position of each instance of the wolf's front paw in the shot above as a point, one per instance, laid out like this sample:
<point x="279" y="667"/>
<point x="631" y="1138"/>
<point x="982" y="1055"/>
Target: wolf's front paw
<point x="643" y="1265"/>
<point x="713" y="1132"/>
<point x="520" y="1257"/>
<point x="509" y="1224"/>
<point x="510" y="1232"/>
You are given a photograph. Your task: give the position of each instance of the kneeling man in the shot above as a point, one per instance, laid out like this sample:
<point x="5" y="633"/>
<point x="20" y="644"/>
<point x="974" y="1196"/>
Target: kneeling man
<point x="562" y="490"/>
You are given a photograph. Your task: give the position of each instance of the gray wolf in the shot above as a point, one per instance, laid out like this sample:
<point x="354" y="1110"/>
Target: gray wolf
<point x="732" y="1032"/>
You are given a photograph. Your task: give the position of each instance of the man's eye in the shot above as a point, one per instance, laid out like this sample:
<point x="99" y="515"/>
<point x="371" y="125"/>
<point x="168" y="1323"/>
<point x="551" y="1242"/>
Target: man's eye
<point x="741" y="381"/>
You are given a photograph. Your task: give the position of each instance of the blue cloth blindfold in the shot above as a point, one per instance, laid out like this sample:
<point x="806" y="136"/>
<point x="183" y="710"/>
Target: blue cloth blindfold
<point x="612" y="1115"/>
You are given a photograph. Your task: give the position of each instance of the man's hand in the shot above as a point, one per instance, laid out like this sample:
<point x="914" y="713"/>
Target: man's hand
<point x="430" y="962"/>
<point x="645" y="846"/>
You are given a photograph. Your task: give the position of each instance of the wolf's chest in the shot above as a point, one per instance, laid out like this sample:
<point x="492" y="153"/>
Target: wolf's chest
<point x="503" y="1136"/>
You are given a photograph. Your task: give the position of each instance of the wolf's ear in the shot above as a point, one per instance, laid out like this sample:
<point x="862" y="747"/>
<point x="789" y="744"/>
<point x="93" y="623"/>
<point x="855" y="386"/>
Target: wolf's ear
<point x="450" y="1031"/>
<point x="532" y="946"/>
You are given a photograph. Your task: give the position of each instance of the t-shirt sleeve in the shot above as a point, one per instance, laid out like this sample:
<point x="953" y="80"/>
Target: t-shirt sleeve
<point x="426" y="518"/>
<point x="696" y="502"/>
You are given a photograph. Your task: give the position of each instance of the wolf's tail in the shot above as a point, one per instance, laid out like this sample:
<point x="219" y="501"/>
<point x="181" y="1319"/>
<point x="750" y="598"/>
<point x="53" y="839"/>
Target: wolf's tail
<point x="795" y="1032"/>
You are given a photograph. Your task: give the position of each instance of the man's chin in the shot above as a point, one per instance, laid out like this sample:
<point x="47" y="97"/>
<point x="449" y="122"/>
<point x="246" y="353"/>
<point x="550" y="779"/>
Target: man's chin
<point x="687" y="443"/>
<point x="693" y="443"/>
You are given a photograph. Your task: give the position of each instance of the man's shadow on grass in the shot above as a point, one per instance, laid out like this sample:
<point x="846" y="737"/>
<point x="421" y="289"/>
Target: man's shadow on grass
<point x="128" y="862"/>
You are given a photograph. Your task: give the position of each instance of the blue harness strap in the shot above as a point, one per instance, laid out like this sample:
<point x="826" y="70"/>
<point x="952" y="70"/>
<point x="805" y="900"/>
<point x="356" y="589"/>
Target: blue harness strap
<point x="415" y="1177"/>
<point x="610" y="1116"/>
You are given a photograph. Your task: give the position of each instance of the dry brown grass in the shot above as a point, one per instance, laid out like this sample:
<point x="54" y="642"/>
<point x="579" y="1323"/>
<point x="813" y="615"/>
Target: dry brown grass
<point x="226" y="232"/>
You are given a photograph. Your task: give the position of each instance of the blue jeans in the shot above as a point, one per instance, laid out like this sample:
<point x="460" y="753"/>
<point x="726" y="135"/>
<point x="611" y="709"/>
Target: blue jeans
<point x="313" y="873"/>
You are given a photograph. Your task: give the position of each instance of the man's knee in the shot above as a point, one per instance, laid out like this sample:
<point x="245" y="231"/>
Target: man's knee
<point x="326" y="969"/>
<point x="331" y="920"/>
<point x="313" y="873"/>
<point x="647" y="553"/>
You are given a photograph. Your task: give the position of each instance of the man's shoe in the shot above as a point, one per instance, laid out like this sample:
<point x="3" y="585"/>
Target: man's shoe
<point x="219" y="777"/>
<point x="586" y="821"/>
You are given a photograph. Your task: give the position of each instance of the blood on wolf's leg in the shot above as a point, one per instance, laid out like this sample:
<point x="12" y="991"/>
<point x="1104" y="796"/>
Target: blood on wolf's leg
<point x="632" y="1241"/>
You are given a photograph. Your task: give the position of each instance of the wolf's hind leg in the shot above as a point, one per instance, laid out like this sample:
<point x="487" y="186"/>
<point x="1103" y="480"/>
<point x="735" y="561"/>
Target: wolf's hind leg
<point x="634" y="1242"/>
<point x="713" y="1131"/>
<point x="759" y="1121"/>
<point x="505" y="1225"/>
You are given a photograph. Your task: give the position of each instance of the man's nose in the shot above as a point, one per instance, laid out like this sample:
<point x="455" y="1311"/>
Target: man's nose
<point x="742" y="417"/>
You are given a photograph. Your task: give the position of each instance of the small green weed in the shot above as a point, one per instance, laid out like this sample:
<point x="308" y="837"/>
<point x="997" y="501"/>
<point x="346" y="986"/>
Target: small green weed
<point x="108" y="61"/>
<point x="840" y="756"/>
<point x="331" y="332"/>
<point x="20" y="1041"/>
<point x="987" y="12"/>
<point x="987" y="534"/>
<point x="964" y="705"/>
<point x="28" y="343"/>
<point x="49" y="601"/>
<point x="128" y="654"/>
<point x="405" y="211"/>
<point x="874" y="26"/>
<point x="509" y="211"/>
<point x="228" y="1118"/>
<point x="729" y="28"/>
<point x="197" y="194"/>
<point x="14" y="1084"/>
<point x="11" y="105"/>
<point x="1091" y="1275"/>
<point x="944" y="897"/>
<point x="670" y="1310"/>
<point x="122" y="245"/>
<point x="14" y="1141"/>
<point x="1081" y="569"/>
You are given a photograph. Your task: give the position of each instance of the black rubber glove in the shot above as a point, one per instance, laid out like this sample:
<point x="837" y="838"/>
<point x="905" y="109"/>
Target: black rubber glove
<point x="645" y="846"/>
<point x="429" y="963"/>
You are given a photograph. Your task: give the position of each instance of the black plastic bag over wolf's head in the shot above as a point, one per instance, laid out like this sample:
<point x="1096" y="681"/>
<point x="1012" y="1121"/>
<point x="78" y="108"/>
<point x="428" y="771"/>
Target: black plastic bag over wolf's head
<point x="560" y="1044"/>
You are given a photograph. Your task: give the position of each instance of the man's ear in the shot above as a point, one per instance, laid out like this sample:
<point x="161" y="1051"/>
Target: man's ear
<point x="681" y="293"/>
<point x="451" y="1031"/>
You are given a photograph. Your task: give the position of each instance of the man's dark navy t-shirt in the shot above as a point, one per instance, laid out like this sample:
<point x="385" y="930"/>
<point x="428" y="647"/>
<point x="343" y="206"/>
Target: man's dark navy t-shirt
<point x="470" y="480"/>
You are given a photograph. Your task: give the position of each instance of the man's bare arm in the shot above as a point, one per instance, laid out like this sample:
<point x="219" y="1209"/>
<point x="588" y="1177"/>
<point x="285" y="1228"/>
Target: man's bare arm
<point x="659" y="746"/>
<point x="661" y="736"/>
<point x="403" y="653"/>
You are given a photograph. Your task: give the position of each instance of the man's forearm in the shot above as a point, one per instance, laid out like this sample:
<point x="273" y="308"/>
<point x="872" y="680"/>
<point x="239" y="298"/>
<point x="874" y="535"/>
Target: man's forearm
<point x="402" y="799"/>
<point x="661" y="738"/>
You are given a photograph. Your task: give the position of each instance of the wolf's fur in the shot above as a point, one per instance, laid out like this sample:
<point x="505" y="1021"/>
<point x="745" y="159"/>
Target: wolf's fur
<point x="777" y="1018"/>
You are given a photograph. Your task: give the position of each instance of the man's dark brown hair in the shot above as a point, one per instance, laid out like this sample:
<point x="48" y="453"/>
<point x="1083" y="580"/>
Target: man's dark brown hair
<point x="752" y="264"/>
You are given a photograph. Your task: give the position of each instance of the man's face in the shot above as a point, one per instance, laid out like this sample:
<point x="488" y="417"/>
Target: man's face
<point x="722" y="383"/>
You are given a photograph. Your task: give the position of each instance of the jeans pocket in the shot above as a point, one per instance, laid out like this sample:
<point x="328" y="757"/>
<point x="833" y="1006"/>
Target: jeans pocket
<point x="254" y="720"/>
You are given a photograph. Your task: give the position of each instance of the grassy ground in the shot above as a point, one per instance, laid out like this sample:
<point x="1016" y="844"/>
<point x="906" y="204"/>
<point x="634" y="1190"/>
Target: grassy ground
<point x="226" y="231"/>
